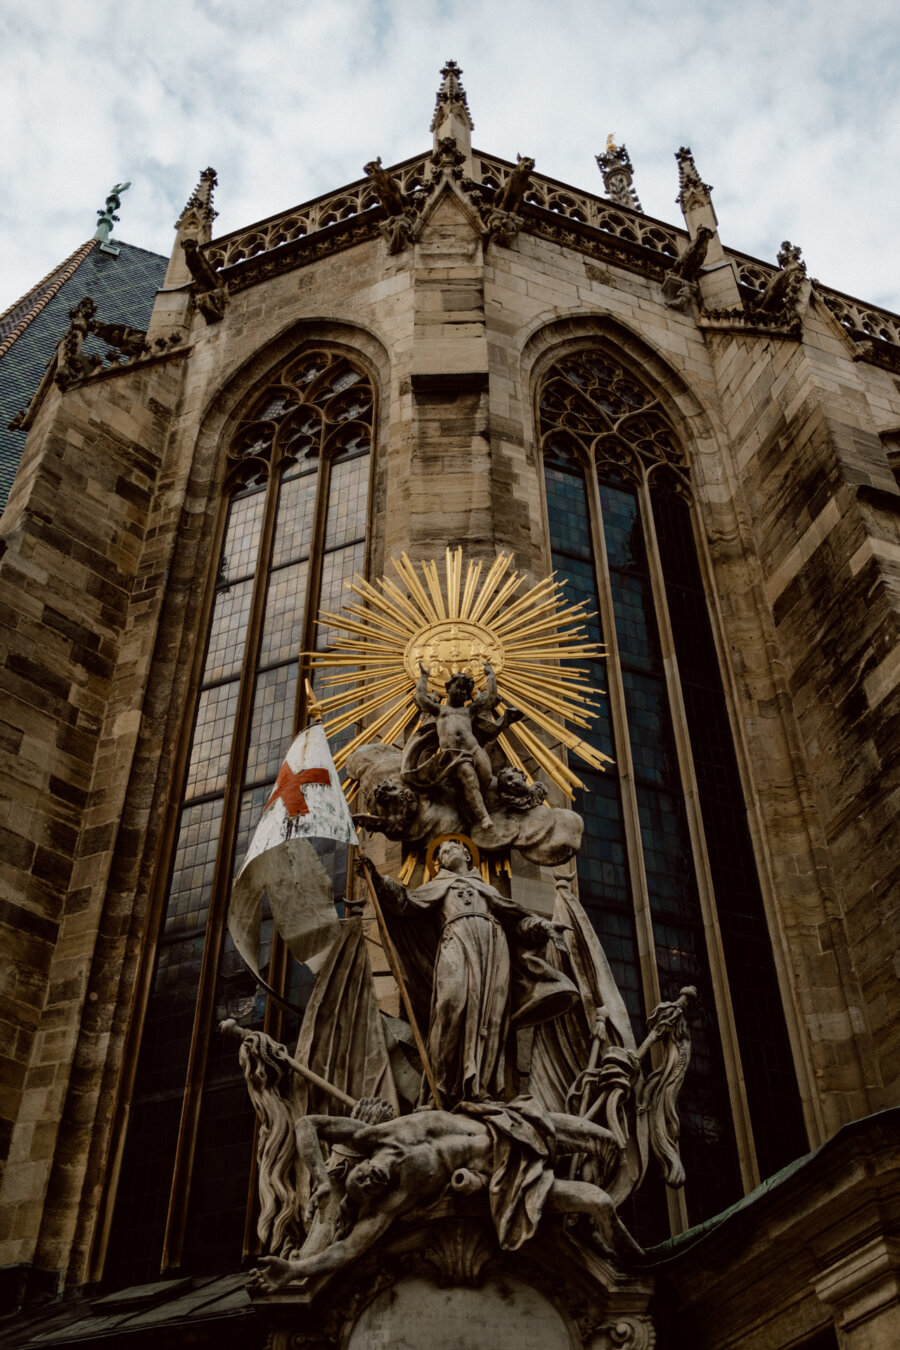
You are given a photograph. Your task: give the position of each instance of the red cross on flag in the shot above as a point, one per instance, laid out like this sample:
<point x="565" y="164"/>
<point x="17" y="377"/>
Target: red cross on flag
<point x="306" y="803"/>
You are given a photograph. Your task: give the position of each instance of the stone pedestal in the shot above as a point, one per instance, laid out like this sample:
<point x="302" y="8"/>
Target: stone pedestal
<point x="445" y="1284"/>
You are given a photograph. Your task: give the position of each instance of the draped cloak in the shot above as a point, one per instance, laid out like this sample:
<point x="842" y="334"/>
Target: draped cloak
<point x="473" y="973"/>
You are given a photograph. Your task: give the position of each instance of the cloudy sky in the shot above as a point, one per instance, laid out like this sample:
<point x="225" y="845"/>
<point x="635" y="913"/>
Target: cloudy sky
<point x="792" y="109"/>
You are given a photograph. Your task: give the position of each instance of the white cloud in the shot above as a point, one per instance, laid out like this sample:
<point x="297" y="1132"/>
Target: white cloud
<point x="792" y="111"/>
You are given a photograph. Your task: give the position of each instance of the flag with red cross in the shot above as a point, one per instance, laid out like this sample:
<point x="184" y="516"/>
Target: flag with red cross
<point x="305" y="804"/>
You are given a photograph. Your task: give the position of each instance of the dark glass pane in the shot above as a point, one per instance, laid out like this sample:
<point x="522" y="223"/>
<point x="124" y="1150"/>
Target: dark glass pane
<point x="283" y="622"/>
<point x="225" y="652"/>
<point x="295" y="519"/>
<point x="271" y="722"/>
<point x="221" y="1176"/>
<point x="211" y="745"/>
<point x="347" y="498"/>
<point x="241" y="537"/>
<point x="650" y="730"/>
<point x="251" y="809"/>
<point x="568" y="511"/>
<point x="337" y="568"/>
<point x="622" y="529"/>
<point x="142" y="1198"/>
<point x="195" y="856"/>
<point x="772" y="1092"/>
<point x="170" y="1017"/>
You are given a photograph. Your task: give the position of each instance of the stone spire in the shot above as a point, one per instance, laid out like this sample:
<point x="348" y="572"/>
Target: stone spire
<point x="617" y="170"/>
<point x="694" y="196"/>
<point x="718" y="282"/>
<point x="106" y="216"/>
<point x="452" y="119"/>
<point x="194" y="227"/>
<point x="198" y="209"/>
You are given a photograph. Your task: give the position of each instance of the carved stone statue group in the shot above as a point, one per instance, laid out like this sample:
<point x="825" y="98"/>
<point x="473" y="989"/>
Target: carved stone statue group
<point x="410" y="1123"/>
<point x="444" y="782"/>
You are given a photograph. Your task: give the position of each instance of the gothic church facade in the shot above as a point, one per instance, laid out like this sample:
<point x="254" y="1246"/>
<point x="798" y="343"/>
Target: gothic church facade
<point x="457" y="351"/>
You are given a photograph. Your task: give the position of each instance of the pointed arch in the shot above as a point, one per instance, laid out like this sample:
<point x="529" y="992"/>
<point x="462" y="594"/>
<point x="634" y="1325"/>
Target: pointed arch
<point x="669" y="865"/>
<point x="285" y="449"/>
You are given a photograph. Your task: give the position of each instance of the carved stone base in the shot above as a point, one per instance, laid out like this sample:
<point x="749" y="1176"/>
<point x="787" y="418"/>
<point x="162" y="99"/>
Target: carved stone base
<point x="444" y="1284"/>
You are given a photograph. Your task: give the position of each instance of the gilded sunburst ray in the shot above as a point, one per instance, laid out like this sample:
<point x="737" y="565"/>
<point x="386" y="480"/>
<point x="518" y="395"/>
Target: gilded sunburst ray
<point x="456" y="623"/>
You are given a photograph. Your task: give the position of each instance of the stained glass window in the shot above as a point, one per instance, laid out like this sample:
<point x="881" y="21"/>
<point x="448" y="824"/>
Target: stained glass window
<point x="686" y="888"/>
<point x="297" y="464"/>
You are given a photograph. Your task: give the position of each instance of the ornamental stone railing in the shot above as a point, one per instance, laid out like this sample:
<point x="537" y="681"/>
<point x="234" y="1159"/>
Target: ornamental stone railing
<point x="312" y="216"/>
<point x="860" y="319"/>
<point x="597" y="212"/>
<point x="413" y="176"/>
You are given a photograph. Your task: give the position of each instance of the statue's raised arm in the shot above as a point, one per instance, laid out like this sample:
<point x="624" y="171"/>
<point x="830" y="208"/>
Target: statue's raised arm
<point x="424" y="701"/>
<point x="488" y="696"/>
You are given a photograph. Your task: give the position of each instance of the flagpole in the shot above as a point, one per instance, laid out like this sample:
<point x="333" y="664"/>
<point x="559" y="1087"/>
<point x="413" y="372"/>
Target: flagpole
<point x="232" y="1028"/>
<point x="390" y="952"/>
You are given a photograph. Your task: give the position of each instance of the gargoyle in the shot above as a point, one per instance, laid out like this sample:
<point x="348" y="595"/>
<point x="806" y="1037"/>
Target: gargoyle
<point x="131" y="342"/>
<point x="386" y="189"/>
<point x="783" y="290"/>
<point x="680" y="281"/>
<point x="512" y="194"/>
<point x="211" y="291"/>
<point x="71" y="362"/>
<point x="688" y="264"/>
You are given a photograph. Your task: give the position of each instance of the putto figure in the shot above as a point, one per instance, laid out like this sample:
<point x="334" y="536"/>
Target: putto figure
<point x="487" y="974"/>
<point x="450" y="740"/>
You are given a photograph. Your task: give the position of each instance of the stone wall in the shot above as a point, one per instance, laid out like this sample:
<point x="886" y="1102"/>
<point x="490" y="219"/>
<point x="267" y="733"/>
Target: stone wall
<point x="76" y="580"/>
<point x="109" y="539"/>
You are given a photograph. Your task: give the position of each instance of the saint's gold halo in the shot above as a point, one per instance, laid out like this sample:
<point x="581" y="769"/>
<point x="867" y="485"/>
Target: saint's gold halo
<point x="455" y="624"/>
<point x="431" y="866"/>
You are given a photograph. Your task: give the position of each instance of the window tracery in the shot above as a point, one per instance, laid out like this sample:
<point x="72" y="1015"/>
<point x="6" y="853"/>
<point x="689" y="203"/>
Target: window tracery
<point x="667" y="870"/>
<point x="294" y="530"/>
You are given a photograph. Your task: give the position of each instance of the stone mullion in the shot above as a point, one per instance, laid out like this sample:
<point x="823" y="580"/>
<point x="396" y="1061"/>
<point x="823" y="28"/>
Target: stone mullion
<point x="643" y="917"/>
<point x="734" y="1073"/>
<point x="624" y="762"/>
<point x="313" y="588"/>
<point x="176" y="1221"/>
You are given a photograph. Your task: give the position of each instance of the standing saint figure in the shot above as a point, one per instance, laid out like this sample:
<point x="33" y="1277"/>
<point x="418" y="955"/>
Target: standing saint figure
<point x="486" y="976"/>
<point x="449" y="742"/>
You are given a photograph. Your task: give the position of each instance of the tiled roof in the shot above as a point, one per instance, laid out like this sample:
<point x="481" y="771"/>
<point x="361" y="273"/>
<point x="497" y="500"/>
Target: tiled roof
<point x="16" y="319"/>
<point x="124" y="288"/>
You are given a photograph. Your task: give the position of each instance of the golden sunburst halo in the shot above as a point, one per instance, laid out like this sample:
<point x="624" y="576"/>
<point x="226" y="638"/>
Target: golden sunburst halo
<point x="455" y="627"/>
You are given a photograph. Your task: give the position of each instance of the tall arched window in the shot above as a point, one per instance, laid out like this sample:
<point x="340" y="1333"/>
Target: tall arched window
<point x="293" y="531"/>
<point x="667" y="870"/>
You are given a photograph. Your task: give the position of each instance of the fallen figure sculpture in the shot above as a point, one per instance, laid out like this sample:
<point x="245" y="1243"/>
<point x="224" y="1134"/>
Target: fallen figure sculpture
<point x="507" y="1149"/>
